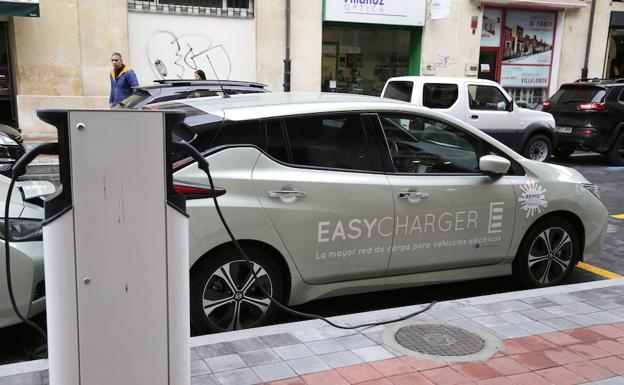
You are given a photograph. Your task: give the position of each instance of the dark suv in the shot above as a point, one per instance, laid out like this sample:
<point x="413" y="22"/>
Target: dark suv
<point x="167" y="90"/>
<point x="589" y="115"/>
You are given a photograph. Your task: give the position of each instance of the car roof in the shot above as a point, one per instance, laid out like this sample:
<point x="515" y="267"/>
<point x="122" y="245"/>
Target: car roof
<point x="442" y="79"/>
<point x="208" y="82"/>
<point x="597" y="82"/>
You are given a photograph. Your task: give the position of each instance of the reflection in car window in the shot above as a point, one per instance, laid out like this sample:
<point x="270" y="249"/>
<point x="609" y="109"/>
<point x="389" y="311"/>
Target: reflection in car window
<point x="439" y="95"/>
<point x="486" y="98"/>
<point x="276" y="144"/>
<point x="422" y="145"/>
<point x="333" y="142"/>
<point x="399" y="90"/>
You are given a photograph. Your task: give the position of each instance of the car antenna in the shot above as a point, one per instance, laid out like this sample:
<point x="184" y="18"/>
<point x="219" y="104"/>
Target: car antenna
<point x="225" y="95"/>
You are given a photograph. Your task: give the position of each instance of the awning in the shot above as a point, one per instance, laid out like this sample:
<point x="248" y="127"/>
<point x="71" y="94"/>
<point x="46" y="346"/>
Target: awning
<point x="29" y="8"/>
<point x="551" y="4"/>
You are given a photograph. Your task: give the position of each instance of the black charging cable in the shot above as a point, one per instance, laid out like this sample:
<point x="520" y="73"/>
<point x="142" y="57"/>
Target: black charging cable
<point x="202" y="163"/>
<point x="19" y="169"/>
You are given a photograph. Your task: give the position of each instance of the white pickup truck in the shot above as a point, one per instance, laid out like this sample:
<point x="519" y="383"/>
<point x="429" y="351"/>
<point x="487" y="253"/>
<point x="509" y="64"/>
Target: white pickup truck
<point x="483" y="104"/>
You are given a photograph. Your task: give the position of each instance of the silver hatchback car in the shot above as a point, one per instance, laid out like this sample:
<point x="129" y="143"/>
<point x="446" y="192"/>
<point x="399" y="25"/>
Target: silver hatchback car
<point x="338" y="194"/>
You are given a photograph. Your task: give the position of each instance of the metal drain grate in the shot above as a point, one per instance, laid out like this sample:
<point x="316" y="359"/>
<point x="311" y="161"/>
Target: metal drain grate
<point x="439" y="340"/>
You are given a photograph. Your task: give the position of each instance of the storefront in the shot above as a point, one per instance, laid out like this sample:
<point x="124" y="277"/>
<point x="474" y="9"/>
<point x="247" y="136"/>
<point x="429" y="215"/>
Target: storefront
<point x="614" y="62"/>
<point x="366" y="42"/>
<point x="520" y="46"/>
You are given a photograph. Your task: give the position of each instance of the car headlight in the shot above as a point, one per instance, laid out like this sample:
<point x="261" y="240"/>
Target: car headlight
<point x="22" y="230"/>
<point x="592" y="188"/>
<point x="6" y="140"/>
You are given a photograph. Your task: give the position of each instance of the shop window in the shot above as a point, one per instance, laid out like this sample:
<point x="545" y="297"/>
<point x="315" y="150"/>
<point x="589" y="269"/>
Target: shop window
<point x="399" y="90"/>
<point x="233" y="8"/>
<point x="437" y="95"/>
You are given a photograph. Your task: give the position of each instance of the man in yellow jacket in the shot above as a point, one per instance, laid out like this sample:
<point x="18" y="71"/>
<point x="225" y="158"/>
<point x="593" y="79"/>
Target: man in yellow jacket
<point x="122" y="79"/>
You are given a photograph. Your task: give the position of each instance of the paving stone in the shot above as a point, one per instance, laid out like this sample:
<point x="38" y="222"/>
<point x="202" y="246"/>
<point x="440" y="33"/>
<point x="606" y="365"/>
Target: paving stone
<point x="535" y="327"/>
<point x="606" y="317"/>
<point x="470" y="311"/>
<point x="444" y="314"/>
<point x="260" y="357"/>
<point x="490" y="321"/>
<point x="326" y="346"/>
<point x="199" y="367"/>
<point x="562" y="299"/>
<point x="514" y="318"/>
<point x="562" y="310"/>
<point x="355" y="341"/>
<point x="560" y="323"/>
<point x="608" y="381"/>
<point x="32" y="378"/>
<point x="332" y="332"/>
<point x="214" y="350"/>
<point x="238" y="377"/>
<point x="309" y="335"/>
<point x="606" y="304"/>
<point x="224" y="363"/>
<point x="372" y="353"/>
<point x="376" y="336"/>
<point x="290" y="352"/>
<point x="509" y="331"/>
<point x="539" y="302"/>
<point x="275" y="371"/>
<point x="589" y="370"/>
<point x="281" y="339"/>
<point x="583" y="320"/>
<point x="537" y="314"/>
<point x="194" y="354"/>
<point x="307" y="365"/>
<point x="208" y="379"/>
<point x="340" y="359"/>
<point x="248" y="344"/>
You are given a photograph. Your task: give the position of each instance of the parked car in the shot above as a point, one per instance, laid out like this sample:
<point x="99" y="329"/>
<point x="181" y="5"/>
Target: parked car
<point x="11" y="147"/>
<point x="167" y="90"/>
<point x="590" y="116"/>
<point x="483" y="104"/>
<point x="335" y="194"/>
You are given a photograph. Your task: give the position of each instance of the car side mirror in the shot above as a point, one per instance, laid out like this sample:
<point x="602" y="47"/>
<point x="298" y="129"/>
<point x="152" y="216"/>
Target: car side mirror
<point x="34" y="189"/>
<point x="510" y="106"/>
<point x="494" y="165"/>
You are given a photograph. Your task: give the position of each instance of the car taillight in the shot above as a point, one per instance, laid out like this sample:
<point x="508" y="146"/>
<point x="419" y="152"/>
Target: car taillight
<point x="586" y="132"/>
<point x="547" y="103"/>
<point x="592" y="107"/>
<point x="182" y="163"/>
<point x="196" y="190"/>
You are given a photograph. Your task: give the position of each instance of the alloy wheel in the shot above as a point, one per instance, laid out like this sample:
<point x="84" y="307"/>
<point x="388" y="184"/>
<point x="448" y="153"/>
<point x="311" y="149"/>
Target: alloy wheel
<point x="233" y="298"/>
<point x="538" y="150"/>
<point x="550" y="255"/>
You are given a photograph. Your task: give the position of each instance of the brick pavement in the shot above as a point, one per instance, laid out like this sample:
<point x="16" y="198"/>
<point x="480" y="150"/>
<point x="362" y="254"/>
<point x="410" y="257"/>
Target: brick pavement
<point x="565" y="335"/>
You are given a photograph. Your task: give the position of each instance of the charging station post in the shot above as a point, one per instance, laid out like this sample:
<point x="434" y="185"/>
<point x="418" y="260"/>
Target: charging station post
<point x="116" y="252"/>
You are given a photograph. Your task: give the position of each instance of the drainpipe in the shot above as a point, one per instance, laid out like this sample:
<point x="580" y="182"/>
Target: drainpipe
<point x="287" y="59"/>
<point x="585" y="70"/>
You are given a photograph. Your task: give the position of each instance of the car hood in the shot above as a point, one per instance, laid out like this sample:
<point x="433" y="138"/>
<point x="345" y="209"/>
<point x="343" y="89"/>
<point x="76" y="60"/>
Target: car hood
<point x="528" y="117"/>
<point x="549" y="171"/>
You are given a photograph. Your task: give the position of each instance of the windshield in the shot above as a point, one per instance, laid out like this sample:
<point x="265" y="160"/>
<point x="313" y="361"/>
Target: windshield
<point x="579" y="94"/>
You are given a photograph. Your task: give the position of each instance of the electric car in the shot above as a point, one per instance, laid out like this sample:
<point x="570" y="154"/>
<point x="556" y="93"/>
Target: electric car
<point x="333" y="194"/>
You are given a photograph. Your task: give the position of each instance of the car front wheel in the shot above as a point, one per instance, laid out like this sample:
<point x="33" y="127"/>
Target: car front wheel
<point x="538" y="148"/>
<point x="226" y="296"/>
<point x="616" y="152"/>
<point x="547" y="254"/>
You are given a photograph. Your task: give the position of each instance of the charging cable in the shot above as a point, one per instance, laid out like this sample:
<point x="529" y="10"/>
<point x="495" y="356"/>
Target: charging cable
<point x="202" y="163"/>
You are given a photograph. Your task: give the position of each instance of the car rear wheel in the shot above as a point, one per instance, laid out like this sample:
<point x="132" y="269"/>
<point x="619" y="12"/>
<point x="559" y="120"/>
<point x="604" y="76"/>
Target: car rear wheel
<point x="538" y="148"/>
<point x="616" y="152"/>
<point x="224" y="294"/>
<point x="547" y="253"/>
<point x="563" y="153"/>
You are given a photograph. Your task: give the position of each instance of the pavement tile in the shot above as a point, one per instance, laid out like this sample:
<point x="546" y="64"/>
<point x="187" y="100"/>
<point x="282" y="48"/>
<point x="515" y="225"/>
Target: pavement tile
<point x="506" y="366"/>
<point x="308" y="365"/>
<point x="613" y="364"/>
<point x="469" y="311"/>
<point x="534" y="360"/>
<point x="513" y="347"/>
<point x="214" y="350"/>
<point x="619" y="325"/>
<point x="372" y="353"/>
<point x="562" y="310"/>
<point x="537" y="314"/>
<point x="31" y="378"/>
<point x="375" y="336"/>
<point x="291" y="352"/>
<point x="248" y="344"/>
<point x="224" y="363"/>
<point x="609" y="381"/>
<point x="562" y="356"/>
<point x="535" y="327"/>
<point x="535" y="343"/>
<point x="392" y="367"/>
<point x="194" y="354"/>
<point x="288" y="381"/>
<point x="259" y="357"/>
<point x="559" y="323"/>
<point x="420" y="364"/>
<point x="323" y="347"/>
<point x="540" y="302"/>
<point x="244" y="376"/>
<point x="410" y="379"/>
<point x="509" y="331"/>
<point x="445" y="375"/>
<point x="588" y="352"/>
<point x="528" y="379"/>
<point x="274" y="371"/>
<point x="560" y="338"/>
<point x="561" y="376"/>
<point x="490" y="321"/>
<point x="584" y="320"/>
<point x="496" y="381"/>
<point x="589" y="370"/>
<point x="340" y="359"/>
<point x="208" y="379"/>
<point x="615" y="315"/>
<point x="199" y="367"/>
<point x="562" y="299"/>
<point x="475" y="371"/>
<point x="355" y="341"/>
<point x="605" y="304"/>
<point x="329" y="377"/>
<point x="608" y="331"/>
<point x="514" y="318"/>
<point x="281" y="339"/>
<point x="381" y="381"/>
<point x="359" y="373"/>
<point x="610" y="346"/>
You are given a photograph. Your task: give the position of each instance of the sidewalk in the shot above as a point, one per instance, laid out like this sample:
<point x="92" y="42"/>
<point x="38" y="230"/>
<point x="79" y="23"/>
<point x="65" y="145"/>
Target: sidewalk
<point x="570" y="334"/>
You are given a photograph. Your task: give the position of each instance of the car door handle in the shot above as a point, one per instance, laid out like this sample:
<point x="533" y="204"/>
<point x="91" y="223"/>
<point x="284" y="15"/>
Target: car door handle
<point x="287" y="194"/>
<point x="474" y="117"/>
<point x="413" y="195"/>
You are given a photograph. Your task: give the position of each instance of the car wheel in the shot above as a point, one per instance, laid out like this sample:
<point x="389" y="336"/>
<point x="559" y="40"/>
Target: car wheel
<point x="225" y="295"/>
<point x="538" y="148"/>
<point x="563" y="153"/>
<point x="547" y="254"/>
<point x="616" y="152"/>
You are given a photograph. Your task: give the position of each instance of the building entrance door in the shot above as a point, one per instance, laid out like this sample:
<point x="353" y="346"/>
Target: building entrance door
<point x="7" y="110"/>
<point x="488" y="64"/>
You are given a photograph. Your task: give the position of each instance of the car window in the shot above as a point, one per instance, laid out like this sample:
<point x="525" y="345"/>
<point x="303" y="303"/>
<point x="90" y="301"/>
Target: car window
<point x="486" y="98"/>
<point x="438" y="95"/>
<point x="426" y="146"/>
<point x="579" y="94"/>
<point x="331" y="142"/>
<point x="133" y="100"/>
<point x="399" y="90"/>
<point x="276" y="142"/>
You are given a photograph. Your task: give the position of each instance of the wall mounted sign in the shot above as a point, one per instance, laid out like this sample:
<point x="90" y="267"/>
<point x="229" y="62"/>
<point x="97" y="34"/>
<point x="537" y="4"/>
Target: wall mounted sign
<point x="393" y="12"/>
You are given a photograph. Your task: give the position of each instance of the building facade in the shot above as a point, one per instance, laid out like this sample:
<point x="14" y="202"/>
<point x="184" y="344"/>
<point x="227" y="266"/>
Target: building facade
<point x="59" y="57"/>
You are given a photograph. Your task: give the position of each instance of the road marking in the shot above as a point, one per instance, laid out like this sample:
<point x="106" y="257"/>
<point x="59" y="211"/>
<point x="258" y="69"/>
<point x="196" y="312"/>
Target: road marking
<point x="598" y="271"/>
<point x="618" y="216"/>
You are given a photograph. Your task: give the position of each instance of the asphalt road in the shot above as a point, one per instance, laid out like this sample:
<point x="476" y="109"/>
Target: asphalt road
<point x="19" y="343"/>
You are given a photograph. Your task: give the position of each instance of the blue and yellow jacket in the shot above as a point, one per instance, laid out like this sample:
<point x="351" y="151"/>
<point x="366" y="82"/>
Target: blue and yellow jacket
<point x="121" y="87"/>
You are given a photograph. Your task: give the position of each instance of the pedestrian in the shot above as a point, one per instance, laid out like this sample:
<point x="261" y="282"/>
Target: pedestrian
<point x="122" y="79"/>
<point x="200" y="75"/>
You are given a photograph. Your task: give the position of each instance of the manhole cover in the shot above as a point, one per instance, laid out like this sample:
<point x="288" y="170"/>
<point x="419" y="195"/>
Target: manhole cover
<point x="441" y="341"/>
